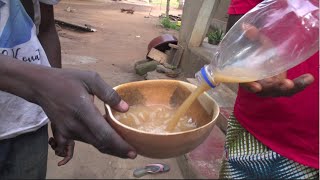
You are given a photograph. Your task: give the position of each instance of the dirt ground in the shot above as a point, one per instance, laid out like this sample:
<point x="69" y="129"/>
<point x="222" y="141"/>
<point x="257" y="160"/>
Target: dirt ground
<point x="121" y="40"/>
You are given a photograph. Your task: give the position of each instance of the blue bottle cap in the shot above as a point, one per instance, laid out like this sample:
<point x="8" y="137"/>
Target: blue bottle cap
<point x="205" y="77"/>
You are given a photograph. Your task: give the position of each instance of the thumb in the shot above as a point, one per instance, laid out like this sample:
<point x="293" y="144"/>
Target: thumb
<point x="122" y="106"/>
<point x="106" y="93"/>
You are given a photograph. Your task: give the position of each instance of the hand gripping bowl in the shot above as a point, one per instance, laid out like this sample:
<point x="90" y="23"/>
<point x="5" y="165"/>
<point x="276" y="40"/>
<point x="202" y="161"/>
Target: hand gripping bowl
<point x="172" y="93"/>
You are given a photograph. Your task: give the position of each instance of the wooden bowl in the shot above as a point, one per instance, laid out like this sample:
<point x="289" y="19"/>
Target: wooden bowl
<point x="171" y="93"/>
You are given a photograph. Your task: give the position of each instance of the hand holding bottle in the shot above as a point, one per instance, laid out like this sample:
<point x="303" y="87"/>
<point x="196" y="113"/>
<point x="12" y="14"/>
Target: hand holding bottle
<point x="268" y="40"/>
<point x="279" y="85"/>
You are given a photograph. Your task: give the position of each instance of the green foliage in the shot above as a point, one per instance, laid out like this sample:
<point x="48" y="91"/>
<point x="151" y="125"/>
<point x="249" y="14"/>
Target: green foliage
<point x="215" y="36"/>
<point x="168" y="24"/>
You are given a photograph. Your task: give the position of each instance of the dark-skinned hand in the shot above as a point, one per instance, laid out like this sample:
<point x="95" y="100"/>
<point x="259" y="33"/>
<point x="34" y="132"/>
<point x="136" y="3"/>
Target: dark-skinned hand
<point x="66" y="97"/>
<point x="278" y="85"/>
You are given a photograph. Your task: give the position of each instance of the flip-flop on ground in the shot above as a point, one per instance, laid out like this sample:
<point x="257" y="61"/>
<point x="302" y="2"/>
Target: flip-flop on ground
<point x="151" y="169"/>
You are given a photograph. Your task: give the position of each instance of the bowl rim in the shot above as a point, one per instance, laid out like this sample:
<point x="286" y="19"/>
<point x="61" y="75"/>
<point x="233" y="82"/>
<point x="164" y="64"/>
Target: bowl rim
<point x="213" y="119"/>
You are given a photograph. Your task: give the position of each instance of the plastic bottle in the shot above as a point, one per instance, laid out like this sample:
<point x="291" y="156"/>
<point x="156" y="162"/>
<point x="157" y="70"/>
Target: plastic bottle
<point x="271" y="38"/>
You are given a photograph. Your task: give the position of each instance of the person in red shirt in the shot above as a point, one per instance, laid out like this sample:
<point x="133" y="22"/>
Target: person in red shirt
<point x="274" y="130"/>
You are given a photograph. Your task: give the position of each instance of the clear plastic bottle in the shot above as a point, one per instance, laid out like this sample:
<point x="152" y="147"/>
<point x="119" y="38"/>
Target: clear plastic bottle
<point x="271" y="38"/>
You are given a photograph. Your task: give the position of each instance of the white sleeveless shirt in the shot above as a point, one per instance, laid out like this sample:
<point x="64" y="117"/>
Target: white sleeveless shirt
<point x="18" y="39"/>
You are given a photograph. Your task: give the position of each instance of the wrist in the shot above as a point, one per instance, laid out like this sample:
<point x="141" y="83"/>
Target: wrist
<point x="20" y="78"/>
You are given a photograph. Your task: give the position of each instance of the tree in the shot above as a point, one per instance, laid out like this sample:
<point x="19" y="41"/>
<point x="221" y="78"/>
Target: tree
<point x="168" y="8"/>
<point x="181" y="3"/>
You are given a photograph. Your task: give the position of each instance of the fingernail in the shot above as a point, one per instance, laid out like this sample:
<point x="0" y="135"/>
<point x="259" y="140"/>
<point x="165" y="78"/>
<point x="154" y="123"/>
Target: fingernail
<point x="132" y="154"/>
<point x="308" y="79"/>
<point x="287" y="84"/>
<point x="123" y="106"/>
<point x="255" y="88"/>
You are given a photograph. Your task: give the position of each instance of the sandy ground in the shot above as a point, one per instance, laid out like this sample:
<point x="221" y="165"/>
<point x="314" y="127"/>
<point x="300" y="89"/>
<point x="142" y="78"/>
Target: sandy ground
<point x="121" y="40"/>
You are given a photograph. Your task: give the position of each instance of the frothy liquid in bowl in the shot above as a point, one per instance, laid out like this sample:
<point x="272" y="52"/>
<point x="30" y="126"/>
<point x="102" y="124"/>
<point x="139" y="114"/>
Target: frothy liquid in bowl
<point x="154" y="119"/>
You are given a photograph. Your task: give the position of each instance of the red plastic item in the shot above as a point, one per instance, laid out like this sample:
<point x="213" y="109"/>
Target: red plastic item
<point x="161" y="43"/>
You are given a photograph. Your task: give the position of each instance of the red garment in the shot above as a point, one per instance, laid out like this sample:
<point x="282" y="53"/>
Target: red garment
<point x="287" y="125"/>
<point x="242" y="6"/>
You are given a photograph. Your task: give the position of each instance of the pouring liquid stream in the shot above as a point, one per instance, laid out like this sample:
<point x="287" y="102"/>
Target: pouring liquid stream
<point x="229" y="75"/>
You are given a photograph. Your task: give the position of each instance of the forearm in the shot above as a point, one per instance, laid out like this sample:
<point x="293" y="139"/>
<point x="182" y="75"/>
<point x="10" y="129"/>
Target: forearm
<point x="20" y="78"/>
<point x="48" y="36"/>
<point x="51" y="44"/>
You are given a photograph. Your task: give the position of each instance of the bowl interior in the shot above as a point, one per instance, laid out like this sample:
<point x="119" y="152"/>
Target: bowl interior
<point x="170" y="93"/>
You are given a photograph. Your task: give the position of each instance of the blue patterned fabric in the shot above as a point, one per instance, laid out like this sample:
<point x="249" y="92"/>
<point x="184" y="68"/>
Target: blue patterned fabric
<point x="247" y="158"/>
<point x="17" y="29"/>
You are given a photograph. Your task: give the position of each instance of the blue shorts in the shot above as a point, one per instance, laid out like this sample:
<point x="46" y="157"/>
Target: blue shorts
<point x="25" y="156"/>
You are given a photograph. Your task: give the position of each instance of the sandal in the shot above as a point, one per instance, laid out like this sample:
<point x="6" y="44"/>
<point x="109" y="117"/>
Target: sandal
<point x="151" y="169"/>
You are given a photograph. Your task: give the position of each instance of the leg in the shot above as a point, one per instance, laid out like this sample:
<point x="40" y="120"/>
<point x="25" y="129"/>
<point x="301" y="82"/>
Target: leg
<point x="25" y="156"/>
<point x="248" y="158"/>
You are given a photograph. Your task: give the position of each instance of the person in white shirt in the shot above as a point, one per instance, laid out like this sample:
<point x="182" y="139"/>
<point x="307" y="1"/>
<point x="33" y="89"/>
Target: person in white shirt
<point x="35" y="90"/>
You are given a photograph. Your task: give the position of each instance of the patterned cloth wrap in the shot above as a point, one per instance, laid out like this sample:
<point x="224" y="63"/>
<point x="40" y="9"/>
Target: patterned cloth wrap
<point x="247" y="158"/>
